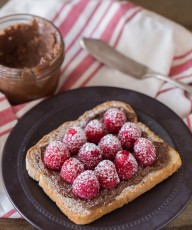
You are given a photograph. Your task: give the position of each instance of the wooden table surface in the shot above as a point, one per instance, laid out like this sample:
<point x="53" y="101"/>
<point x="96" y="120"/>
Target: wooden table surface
<point x="179" y="11"/>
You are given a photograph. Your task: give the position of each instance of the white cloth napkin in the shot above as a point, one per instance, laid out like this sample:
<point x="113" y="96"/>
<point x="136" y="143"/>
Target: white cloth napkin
<point x="145" y="36"/>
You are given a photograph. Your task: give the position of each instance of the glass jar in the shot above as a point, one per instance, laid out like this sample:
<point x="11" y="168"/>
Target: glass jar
<point x="31" y="54"/>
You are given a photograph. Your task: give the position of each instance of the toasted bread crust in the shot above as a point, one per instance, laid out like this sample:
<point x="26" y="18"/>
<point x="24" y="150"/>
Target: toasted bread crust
<point x="69" y="206"/>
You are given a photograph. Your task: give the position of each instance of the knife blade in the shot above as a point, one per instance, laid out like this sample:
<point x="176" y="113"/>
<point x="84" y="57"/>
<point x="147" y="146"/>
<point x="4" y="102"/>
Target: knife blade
<point x="112" y="58"/>
<point x="116" y="60"/>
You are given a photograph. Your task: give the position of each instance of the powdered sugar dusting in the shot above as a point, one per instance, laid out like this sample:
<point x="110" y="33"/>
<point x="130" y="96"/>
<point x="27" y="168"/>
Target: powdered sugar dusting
<point x="128" y="134"/>
<point x="57" y="146"/>
<point x="74" y="163"/>
<point x="145" y="151"/>
<point x="109" y="146"/>
<point x="126" y="165"/>
<point x="74" y="138"/>
<point x="71" y="169"/>
<point x="95" y="130"/>
<point x="75" y="205"/>
<point x="88" y="147"/>
<point x="86" y="185"/>
<point x="90" y="155"/>
<point x="114" y="118"/>
<point x="55" y="154"/>
<point x="110" y="139"/>
<point x="133" y="161"/>
<point x="130" y="158"/>
<point x="107" y="174"/>
<point x="95" y="126"/>
<point x="133" y="129"/>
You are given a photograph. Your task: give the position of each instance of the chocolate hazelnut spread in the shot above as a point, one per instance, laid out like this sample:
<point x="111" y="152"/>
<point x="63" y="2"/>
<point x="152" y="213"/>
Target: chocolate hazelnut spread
<point x="23" y="46"/>
<point x="108" y="195"/>
<point x="30" y="57"/>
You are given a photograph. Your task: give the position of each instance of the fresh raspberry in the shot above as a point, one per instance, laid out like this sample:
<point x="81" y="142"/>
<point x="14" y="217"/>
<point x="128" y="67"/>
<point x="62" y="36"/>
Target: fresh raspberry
<point x="90" y="155"/>
<point x="128" y="134"/>
<point x="114" y="119"/>
<point x="95" y="130"/>
<point x="86" y="185"/>
<point x="71" y="169"/>
<point x="55" y="155"/>
<point x="145" y="151"/>
<point x="126" y="165"/>
<point x="107" y="174"/>
<point x="74" y="138"/>
<point x="109" y="146"/>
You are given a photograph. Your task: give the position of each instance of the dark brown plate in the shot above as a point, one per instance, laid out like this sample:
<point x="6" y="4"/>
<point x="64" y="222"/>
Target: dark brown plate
<point x="152" y="210"/>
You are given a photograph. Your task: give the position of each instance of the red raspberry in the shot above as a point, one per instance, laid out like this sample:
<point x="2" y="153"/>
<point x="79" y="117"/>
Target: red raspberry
<point x="128" y="134"/>
<point x="55" y="155"/>
<point x="114" y="119"/>
<point x="89" y="155"/>
<point x="95" y="130"/>
<point x="109" y="146"/>
<point x="145" y="151"/>
<point x="126" y="165"/>
<point x="71" y="169"/>
<point x="86" y="185"/>
<point x="74" y="138"/>
<point x="107" y="174"/>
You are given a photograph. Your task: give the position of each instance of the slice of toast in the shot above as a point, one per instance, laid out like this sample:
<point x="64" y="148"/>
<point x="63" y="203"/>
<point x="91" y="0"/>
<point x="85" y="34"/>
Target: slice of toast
<point x="84" y="211"/>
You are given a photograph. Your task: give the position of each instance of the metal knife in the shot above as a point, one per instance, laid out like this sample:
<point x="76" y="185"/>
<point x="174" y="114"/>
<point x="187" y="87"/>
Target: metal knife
<point x="114" y="59"/>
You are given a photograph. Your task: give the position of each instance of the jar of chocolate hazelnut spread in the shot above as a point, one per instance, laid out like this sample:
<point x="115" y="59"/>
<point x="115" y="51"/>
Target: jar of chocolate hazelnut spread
<point x="31" y="54"/>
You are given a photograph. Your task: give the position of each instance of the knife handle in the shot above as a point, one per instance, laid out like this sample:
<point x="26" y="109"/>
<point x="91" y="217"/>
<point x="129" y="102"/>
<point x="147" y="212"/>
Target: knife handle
<point x="179" y="84"/>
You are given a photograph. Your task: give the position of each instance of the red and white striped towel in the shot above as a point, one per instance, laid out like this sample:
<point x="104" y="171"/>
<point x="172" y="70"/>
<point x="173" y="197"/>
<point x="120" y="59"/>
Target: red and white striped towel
<point x="151" y="39"/>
